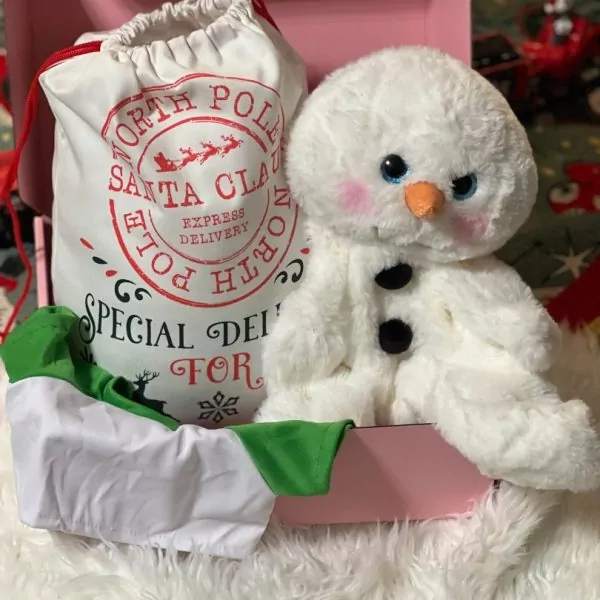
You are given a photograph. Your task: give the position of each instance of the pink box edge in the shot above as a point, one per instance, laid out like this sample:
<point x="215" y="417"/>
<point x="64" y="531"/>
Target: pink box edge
<point x="41" y="264"/>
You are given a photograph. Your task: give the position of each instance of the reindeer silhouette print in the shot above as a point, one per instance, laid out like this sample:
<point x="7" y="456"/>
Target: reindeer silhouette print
<point x="231" y="143"/>
<point x="188" y="155"/>
<point x="210" y="150"/>
<point x="139" y="396"/>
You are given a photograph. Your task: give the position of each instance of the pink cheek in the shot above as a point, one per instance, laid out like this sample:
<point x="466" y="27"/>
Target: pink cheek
<point x="469" y="228"/>
<point x="355" y="197"/>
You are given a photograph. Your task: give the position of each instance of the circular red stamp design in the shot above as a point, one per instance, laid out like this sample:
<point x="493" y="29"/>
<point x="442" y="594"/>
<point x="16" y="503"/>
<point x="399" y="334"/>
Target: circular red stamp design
<point x="197" y="194"/>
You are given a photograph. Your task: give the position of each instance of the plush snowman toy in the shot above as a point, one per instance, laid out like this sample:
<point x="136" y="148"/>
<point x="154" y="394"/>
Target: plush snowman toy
<point x="412" y="170"/>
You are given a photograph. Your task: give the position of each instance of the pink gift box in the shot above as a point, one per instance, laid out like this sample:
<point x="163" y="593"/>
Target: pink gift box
<point x="380" y="474"/>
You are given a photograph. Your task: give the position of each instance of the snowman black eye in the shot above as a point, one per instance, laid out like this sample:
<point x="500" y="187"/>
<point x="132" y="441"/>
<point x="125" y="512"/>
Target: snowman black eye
<point x="393" y="168"/>
<point x="464" y="187"/>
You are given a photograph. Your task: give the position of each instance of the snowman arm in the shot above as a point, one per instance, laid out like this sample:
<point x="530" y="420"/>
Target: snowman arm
<point x="489" y="299"/>
<point x="308" y="341"/>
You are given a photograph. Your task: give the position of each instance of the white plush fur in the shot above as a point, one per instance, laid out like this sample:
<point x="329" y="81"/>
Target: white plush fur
<point x="522" y="545"/>
<point x="482" y="344"/>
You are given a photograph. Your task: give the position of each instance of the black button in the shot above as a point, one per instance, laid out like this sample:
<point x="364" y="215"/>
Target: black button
<point x="395" y="278"/>
<point x="395" y="336"/>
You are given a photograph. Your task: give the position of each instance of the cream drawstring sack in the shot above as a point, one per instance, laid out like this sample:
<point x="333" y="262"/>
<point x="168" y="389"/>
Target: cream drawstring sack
<point x="175" y="237"/>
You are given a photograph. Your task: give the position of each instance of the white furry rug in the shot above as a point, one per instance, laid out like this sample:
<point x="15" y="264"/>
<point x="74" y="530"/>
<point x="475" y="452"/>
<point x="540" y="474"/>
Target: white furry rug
<point x="520" y="545"/>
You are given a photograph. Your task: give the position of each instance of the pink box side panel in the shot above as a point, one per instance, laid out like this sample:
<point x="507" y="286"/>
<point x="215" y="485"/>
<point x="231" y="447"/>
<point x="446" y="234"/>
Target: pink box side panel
<point x="391" y="473"/>
<point x="327" y="33"/>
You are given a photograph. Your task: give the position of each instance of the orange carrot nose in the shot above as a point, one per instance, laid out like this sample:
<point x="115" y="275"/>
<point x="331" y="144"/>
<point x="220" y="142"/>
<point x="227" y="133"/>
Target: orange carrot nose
<point x="424" y="200"/>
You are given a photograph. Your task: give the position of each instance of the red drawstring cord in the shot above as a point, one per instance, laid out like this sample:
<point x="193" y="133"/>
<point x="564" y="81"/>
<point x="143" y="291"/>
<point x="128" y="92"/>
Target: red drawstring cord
<point x="31" y="105"/>
<point x="262" y="11"/>
<point x="5" y="191"/>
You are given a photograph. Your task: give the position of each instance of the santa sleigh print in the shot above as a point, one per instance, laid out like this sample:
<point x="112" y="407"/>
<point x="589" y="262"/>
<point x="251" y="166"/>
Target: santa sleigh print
<point x="188" y="155"/>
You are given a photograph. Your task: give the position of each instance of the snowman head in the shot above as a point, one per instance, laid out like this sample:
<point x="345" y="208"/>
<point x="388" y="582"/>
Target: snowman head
<point x="412" y="148"/>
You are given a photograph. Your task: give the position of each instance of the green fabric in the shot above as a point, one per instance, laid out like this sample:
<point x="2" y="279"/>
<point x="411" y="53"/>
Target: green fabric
<point x="43" y="347"/>
<point x="295" y="458"/>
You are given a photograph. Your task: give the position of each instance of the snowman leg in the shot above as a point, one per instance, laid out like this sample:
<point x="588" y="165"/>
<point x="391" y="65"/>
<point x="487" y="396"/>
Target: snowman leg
<point x="513" y="426"/>
<point x="335" y="398"/>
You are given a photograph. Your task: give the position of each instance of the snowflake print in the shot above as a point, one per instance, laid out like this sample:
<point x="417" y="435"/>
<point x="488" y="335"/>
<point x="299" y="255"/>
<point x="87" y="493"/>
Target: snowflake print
<point x="218" y="408"/>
